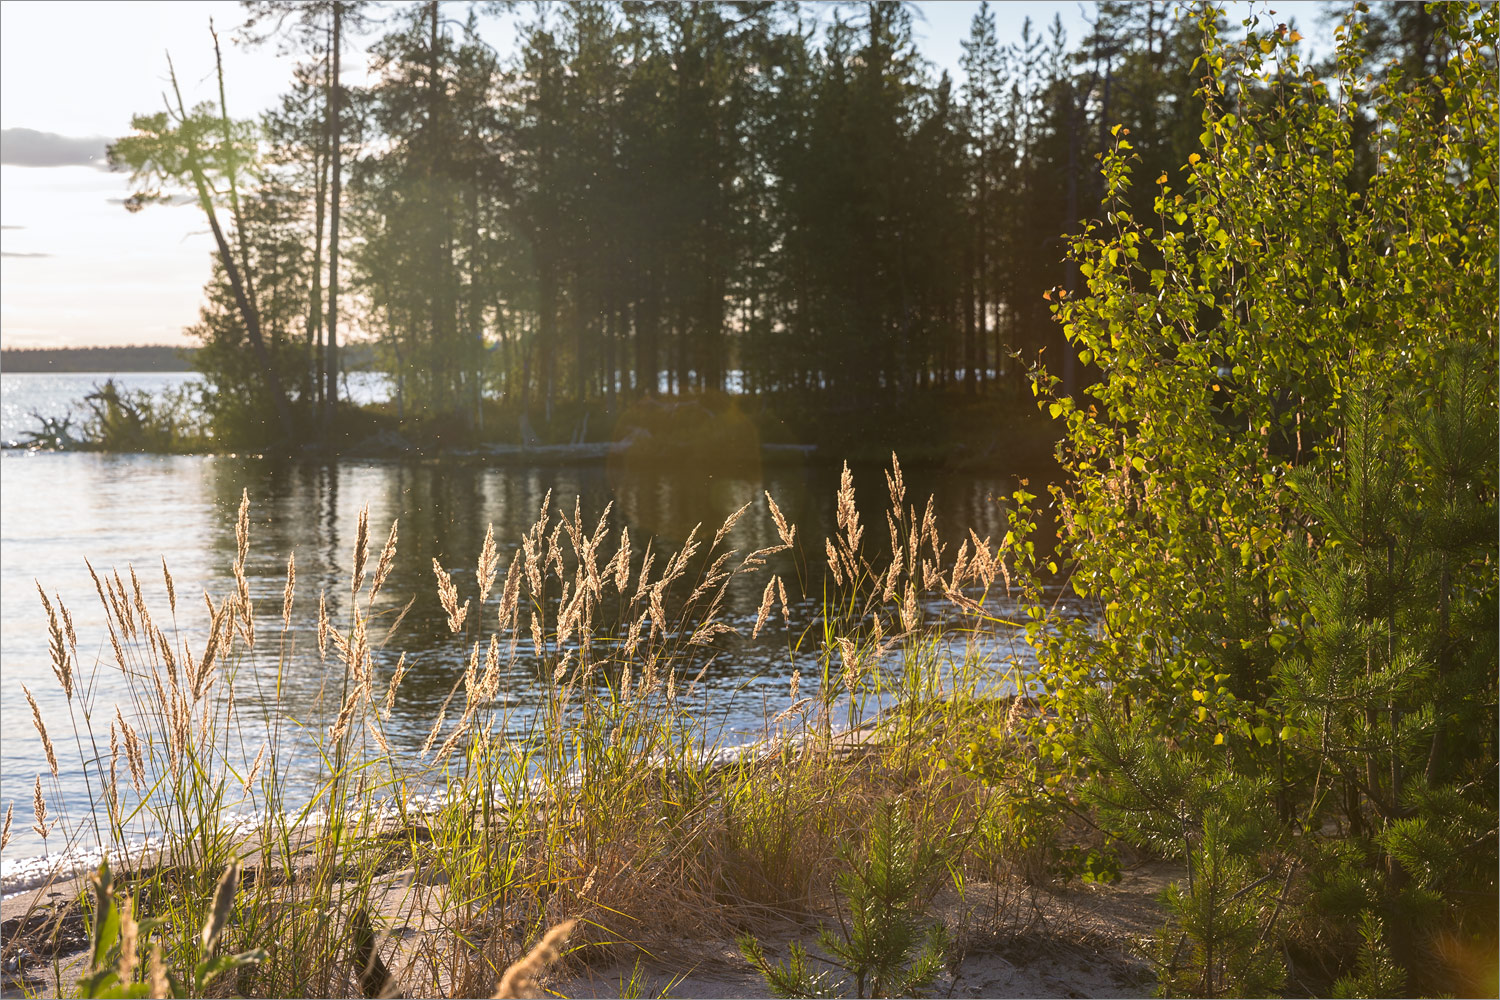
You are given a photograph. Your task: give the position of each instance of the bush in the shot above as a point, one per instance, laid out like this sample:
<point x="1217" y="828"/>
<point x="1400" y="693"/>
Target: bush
<point x="1282" y="496"/>
<point x="126" y="420"/>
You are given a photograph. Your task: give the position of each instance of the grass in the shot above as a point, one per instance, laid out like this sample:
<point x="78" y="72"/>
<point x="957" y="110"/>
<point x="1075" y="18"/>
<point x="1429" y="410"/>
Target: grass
<point x="619" y="815"/>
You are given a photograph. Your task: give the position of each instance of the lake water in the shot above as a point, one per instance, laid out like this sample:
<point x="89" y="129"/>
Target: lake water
<point x="123" y="510"/>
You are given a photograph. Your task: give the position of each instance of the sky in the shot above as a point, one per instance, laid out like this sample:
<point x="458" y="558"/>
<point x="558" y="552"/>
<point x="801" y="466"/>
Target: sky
<point x="76" y="269"/>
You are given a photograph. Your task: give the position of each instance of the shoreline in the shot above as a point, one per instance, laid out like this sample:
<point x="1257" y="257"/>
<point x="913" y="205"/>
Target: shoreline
<point x="936" y="427"/>
<point x="1012" y="938"/>
<point x="76" y="864"/>
<point x="584" y="454"/>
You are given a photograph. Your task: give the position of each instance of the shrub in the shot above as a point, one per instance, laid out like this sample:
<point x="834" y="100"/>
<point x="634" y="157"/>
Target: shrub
<point x="1281" y="494"/>
<point x="136" y="420"/>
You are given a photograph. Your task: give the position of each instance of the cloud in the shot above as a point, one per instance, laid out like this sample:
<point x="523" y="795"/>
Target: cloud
<point x="8" y="253"/>
<point x="26" y="147"/>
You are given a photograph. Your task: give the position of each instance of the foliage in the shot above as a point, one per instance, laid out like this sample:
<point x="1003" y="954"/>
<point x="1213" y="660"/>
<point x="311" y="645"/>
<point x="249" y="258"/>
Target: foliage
<point x="1282" y="496"/>
<point x="240" y="413"/>
<point x="209" y="155"/>
<point x="117" y="936"/>
<point x="881" y="943"/>
<point x="1217" y="822"/>
<point x="648" y="198"/>
<point x="125" y="420"/>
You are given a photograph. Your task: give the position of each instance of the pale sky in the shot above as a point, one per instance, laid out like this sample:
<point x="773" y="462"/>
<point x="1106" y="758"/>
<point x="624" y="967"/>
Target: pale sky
<point x="75" y="268"/>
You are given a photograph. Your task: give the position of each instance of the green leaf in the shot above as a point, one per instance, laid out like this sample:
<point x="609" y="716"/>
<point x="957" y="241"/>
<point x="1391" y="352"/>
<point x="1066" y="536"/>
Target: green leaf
<point x="99" y="984"/>
<point x="106" y="917"/>
<point x="206" y="970"/>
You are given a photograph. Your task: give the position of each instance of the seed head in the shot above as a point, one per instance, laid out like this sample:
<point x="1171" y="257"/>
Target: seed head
<point x="390" y="694"/>
<point x="521" y="978"/>
<point x="157" y="973"/>
<point x="833" y="562"/>
<point x="729" y="523"/>
<point x="322" y="625"/>
<point x="432" y="736"/>
<point x="361" y="549"/>
<point x="387" y="560"/>
<point x="489" y="564"/>
<point x="61" y="664"/>
<point x="765" y="606"/>
<point x="133" y="754"/>
<point x="489" y="684"/>
<point x="510" y="593"/>
<point x="895" y="484"/>
<point x="255" y="765"/>
<point x="223" y="904"/>
<point x="167" y="576"/>
<point x="448" y="595"/>
<point x="451" y="743"/>
<point x="39" y="808"/>
<point x="788" y="533"/>
<point x="36" y="720"/>
<point x="129" y="942"/>
<point x="291" y="586"/>
<point x="622" y="561"/>
<point x="242" y="531"/>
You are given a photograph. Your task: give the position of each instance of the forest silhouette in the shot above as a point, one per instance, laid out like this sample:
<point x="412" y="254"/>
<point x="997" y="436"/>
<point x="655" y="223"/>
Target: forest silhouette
<point x="778" y="200"/>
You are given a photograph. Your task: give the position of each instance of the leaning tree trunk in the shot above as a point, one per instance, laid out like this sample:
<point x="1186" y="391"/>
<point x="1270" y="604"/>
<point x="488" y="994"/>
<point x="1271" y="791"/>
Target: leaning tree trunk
<point x="243" y="303"/>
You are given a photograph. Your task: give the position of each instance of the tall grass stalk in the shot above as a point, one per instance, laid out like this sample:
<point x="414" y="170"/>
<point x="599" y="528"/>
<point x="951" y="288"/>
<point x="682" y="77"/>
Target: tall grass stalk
<point x="618" y="807"/>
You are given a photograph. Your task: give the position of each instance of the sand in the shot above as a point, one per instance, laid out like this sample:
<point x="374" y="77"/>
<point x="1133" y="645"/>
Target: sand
<point x="1073" y="940"/>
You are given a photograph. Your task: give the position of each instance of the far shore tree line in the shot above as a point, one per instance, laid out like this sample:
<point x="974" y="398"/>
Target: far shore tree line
<point x="115" y="358"/>
<point x="647" y="198"/>
<point x="131" y="358"/>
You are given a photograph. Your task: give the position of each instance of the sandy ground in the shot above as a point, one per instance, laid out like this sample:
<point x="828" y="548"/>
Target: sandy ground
<point x="1072" y="941"/>
<point x="1069" y="941"/>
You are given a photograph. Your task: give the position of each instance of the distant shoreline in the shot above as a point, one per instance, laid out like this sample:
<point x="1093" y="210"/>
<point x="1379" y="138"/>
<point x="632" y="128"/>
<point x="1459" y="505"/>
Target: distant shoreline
<point x="111" y="360"/>
<point x="357" y="356"/>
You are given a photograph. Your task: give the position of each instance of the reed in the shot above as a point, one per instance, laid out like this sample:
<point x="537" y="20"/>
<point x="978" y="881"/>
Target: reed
<point x="618" y="814"/>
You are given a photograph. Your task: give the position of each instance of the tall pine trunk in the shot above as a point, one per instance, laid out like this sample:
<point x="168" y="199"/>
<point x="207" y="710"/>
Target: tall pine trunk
<point x="547" y="329"/>
<point x="331" y="390"/>
<point x="971" y="354"/>
<point x="647" y="327"/>
<point x="316" y="358"/>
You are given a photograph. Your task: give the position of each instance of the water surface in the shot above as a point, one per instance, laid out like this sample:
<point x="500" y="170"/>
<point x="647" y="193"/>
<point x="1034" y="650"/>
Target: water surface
<point x="119" y="511"/>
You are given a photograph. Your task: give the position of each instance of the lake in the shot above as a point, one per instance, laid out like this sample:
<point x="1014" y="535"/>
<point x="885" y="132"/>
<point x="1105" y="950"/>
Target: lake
<point x="119" y="511"/>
